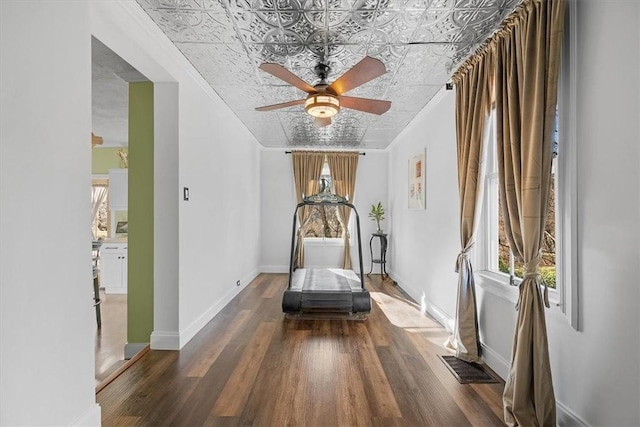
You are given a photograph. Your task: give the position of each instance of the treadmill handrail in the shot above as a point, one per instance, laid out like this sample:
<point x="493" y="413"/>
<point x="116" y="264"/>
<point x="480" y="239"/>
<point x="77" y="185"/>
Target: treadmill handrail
<point x="324" y="203"/>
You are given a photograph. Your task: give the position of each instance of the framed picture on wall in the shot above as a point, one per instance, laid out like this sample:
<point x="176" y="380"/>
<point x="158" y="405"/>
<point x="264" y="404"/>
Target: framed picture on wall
<point x="417" y="181"/>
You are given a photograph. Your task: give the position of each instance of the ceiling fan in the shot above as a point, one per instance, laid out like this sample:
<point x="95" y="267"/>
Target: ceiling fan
<point x="325" y="100"/>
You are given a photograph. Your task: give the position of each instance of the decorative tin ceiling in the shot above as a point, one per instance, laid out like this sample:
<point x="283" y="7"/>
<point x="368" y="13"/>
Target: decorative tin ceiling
<point x="421" y="43"/>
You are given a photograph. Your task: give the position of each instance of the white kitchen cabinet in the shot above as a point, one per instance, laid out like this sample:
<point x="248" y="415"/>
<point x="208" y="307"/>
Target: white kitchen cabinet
<point x="113" y="268"/>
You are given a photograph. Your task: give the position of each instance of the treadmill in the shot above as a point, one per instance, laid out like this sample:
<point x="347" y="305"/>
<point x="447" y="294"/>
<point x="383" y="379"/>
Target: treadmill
<point x="325" y="290"/>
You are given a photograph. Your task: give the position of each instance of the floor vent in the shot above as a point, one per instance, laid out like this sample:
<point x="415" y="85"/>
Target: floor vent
<point x="466" y="372"/>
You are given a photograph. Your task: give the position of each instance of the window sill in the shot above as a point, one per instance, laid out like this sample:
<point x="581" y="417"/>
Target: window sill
<point x="498" y="284"/>
<point x="321" y="241"/>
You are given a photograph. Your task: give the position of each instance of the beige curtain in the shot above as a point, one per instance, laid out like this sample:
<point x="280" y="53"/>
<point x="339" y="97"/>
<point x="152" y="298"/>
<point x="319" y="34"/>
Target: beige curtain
<point x="473" y="103"/>
<point x="527" y="63"/>
<point x="307" y="168"/>
<point x="343" y="166"/>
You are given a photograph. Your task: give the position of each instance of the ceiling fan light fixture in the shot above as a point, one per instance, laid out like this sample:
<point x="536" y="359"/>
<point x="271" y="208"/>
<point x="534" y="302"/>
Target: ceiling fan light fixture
<point x="323" y="105"/>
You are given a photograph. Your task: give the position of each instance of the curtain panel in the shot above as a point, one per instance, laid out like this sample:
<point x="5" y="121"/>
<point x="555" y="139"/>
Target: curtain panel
<point x="473" y="104"/>
<point x="343" y="167"/>
<point x="527" y="56"/>
<point x="307" y="168"/>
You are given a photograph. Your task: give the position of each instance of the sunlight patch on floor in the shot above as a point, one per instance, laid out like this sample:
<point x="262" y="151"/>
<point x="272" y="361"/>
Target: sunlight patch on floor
<point x="404" y="314"/>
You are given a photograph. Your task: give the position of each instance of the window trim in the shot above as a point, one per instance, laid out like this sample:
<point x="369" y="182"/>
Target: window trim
<point x="567" y="190"/>
<point x="566" y="295"/>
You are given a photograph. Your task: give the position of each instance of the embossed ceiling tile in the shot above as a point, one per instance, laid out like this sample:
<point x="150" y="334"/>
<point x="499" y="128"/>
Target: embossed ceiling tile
<point x="212" y="5"/>
<point x="392" y="56"/>
<point x="372" y="135"/>
<point x="340" y="5"/>
<point x="247" y="98"/>
<point x="218" y="64"/>
<point x="303" y="67"/>
<point x="485" y="27"/>
<point x="370" y="91"/>
<point x="463" y="17"/>
<point x="174" y="24"/>
<point x="263" y="131"/>
<point x="247" y="22"/>
<point x="412" y="17"/>
<point x="235" y="36"/>
<point x="473" y="4"/>
<point x="349" y="28"/>
<point x="394" y="29"/>
<point x="373" y="145"/>
<point x="160" y="4"/>
<point x="367" y="4"/>
<point x="459" y="55"/>
<point x="209" y="28"/>
<point x="262" y="5"/>
<point x="243" y="19"/>
<point x="296" y="125"/>
<point x="411" y="98"/>
<point x="327" y="18"/>
<point x="365" y="18"/>
<point x="303" y="30"/>
<point x="392" y="120"/>
<point x="429" y="4"/>
<point x="433" y="16"/>
<point x="422" y="73"/>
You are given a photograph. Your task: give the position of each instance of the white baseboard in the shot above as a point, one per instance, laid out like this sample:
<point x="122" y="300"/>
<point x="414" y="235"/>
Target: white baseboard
<point x="274" y="269"/>
<point x="442" y="317"/>
<point x="495" y="361"/>
<point x="190" y="331"/>
<point x="165" y="340"/>
<point x="92" y="417"/>
<point x="565" y="417"/>
<point x="426" y="306"/>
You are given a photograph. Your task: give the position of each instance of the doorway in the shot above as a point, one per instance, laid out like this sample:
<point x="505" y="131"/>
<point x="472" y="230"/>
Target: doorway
<point x="111" y="126"/>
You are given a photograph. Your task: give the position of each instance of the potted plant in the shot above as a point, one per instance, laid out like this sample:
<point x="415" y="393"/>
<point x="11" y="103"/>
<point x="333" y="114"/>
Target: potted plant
<point x="377" y="213"/>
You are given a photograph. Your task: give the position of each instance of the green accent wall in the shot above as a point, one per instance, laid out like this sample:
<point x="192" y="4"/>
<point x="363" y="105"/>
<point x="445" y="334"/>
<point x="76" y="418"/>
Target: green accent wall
<point x="140" y="210"/>
<point x="105" y="158"/>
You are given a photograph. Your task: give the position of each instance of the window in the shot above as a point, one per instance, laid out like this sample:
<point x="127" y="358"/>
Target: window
<point x="506" y="261"/>
<point x="493" y="259"/>
<point x="324" y="221"/>
<point x="100" y="223"/>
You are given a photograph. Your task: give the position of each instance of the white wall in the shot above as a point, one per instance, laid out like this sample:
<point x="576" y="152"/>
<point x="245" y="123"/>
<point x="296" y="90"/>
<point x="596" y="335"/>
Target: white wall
<point x="596" y="373"/>
<point x="48" y="324"/>
<point x="426" y="242"/>
<point x="47" y="320"/>
<point x="220" y="224"/>
<point x="278" y="205"/>
<point x="216" y="234"/>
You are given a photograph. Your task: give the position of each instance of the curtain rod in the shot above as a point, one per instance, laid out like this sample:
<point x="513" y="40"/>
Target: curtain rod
<point x="362" y="154"/>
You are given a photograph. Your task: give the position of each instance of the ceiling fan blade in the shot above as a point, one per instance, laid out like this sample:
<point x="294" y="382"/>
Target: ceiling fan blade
<point x="283" y="74"/>
<point x="322" y="121"/>
<point x="367" y="69"/>
<point x="367" y="105"/>
<point x="96" y="140"/>
<point x="281" y="105"/>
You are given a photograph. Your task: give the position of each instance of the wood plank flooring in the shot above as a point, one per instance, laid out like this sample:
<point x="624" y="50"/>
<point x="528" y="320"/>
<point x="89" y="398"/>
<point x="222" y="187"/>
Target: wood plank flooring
<point x="251" y="366"/>
<point x="111" y="338"/>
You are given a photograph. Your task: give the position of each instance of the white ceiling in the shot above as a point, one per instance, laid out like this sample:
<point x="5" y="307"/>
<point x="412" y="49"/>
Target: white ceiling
<point x="420" y="42"/>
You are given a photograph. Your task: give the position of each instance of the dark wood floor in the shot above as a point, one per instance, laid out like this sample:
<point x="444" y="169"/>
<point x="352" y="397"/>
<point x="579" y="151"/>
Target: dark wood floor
<point x="252" y="366"/>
